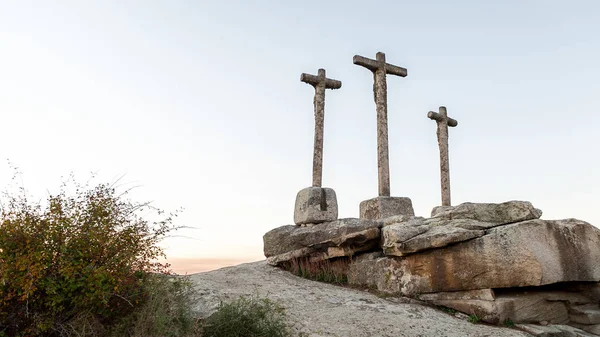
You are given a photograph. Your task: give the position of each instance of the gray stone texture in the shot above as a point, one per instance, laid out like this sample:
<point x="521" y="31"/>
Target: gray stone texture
<point x="343" y="237"/>
<point x="385" y="207"/>
<point x="530" y="253"/>
<point x="443" y="122"/>
<point x="501" y="213"/>
<point x="320" y="83"/>
<point x="553" y="330"/>
<point x="418" y="234"/>
<point x="319" y="309"/>
<point x="380" y="69"/>
<point x="315" y="205"/>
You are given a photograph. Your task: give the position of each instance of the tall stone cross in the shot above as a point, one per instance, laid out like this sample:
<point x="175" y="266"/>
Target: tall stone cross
<point x="380" y="68"/>
<point x="320" y="83"/>
<point x="443" y="122"/>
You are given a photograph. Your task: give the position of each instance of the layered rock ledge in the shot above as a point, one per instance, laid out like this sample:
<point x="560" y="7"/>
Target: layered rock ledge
<point x="497" y="261"/>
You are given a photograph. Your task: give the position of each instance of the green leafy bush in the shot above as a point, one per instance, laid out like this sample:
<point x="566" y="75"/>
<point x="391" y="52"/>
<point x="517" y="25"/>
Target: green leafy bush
<point x="78" y="264"/>
<point x="248" y="317"/>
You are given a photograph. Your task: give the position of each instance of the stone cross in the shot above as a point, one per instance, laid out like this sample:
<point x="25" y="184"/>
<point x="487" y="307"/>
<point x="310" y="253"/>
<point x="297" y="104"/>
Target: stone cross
<point x="380" y="68"/>
<point x="443" y="122"/>
<point x="320" y="83"/>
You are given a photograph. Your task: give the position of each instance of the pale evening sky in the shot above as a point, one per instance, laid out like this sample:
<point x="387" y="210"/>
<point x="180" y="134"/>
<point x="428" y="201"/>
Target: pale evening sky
<point x="200" y="103"/>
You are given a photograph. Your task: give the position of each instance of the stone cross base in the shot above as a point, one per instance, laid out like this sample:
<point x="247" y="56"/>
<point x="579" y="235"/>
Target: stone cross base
<point x="383" y="207"/>
<point x="315" y="205"/>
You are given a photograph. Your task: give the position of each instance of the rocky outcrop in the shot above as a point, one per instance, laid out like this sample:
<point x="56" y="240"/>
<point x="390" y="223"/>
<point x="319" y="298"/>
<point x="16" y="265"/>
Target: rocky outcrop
<point x="530" y="253"/>
<point x="344" y="237"/>
<point x="495" y="261"/>
<point x="318" y="309"/>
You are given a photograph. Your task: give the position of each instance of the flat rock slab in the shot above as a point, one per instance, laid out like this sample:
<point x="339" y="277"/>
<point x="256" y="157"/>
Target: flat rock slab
<point x="418" y="234"/>
<point x="342" y="237"/>
<point x="554" y="331"/>
<point x="320" y="309"/>
<point x="529" y="253"/>
<point x="502" y="213"/>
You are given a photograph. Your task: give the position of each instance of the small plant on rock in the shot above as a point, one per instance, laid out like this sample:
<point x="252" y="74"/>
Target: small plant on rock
<point x="474" y="319"/>
<point x="509" y="323"/>
<point x="447" y="310"/>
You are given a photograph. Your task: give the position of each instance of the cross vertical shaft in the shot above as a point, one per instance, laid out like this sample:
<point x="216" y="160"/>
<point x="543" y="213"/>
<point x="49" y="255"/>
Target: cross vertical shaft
<point x="383" y="159"/>
<point x="320" y="83"/>
<point x="380" y="69"/>
<point x="443" y="122"/>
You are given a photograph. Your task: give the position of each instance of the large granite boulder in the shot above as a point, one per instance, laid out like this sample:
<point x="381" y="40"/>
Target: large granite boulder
<point x="344" y="237"/>
<point x="502" y="213"/>
<point x="529" y="253"/>
<point x="418" y="234"/>
<point x="451" y="224"/>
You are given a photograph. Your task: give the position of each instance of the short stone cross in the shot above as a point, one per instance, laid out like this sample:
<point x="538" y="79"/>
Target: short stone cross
<point x="443" y="122"/>
<point x="320" y="83"/>
<point x="380" y="68"/>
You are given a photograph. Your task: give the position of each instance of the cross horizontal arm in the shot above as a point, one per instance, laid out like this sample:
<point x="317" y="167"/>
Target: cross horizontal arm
<point x="314" y="81"/>
<point x="395" y="70"/>
<point x="374" y="65"/>
<point x="440" y="118"/>
<point x="365" y="62"/>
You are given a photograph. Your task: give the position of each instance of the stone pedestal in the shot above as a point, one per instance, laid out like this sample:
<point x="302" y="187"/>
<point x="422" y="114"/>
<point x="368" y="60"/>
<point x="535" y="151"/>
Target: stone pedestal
<point x="383" y="207"/>
<point x="315" y="205"/>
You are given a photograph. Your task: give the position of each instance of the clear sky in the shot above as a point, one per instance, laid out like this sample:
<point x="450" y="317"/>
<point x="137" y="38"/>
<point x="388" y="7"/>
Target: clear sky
<point x="200" y="104"/>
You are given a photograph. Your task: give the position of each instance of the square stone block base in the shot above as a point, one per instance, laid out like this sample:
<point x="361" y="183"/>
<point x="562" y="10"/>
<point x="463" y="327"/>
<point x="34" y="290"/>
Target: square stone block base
<point x="315" y="205"/>
<point x="383" y="207"/>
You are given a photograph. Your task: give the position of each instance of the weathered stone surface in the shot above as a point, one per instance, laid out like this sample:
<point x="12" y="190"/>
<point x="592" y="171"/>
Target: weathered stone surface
<point x="374" y="270"/>
<point x="593" y="330"/>
<point x="435" y="237"/>
<point x="553" y="330"/>
<point x="479" y="294"/>
<point x="570" y="298"/>
<point x="385" y="207"/>
<point x="320" y="309"/>
<point x="394" y="219"/>
<point x="502" y="213"/>
<point x="585" y="314"/>
<point x="347" y="245"/>
<point x="590" y="290"/>
<point x="418" y="234"/>
<point x="532" y="308"/>
<point x="488" y="311"/>
<point x="530" y="253"/>
<point x="315" y="205"/>
<point x="323" y="241"/>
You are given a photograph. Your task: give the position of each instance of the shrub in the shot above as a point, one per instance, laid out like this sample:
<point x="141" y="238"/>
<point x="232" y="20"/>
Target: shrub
<point x="166" y="310"/>
<point x="76" y="265"/>
<point x="248" y="317"/>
